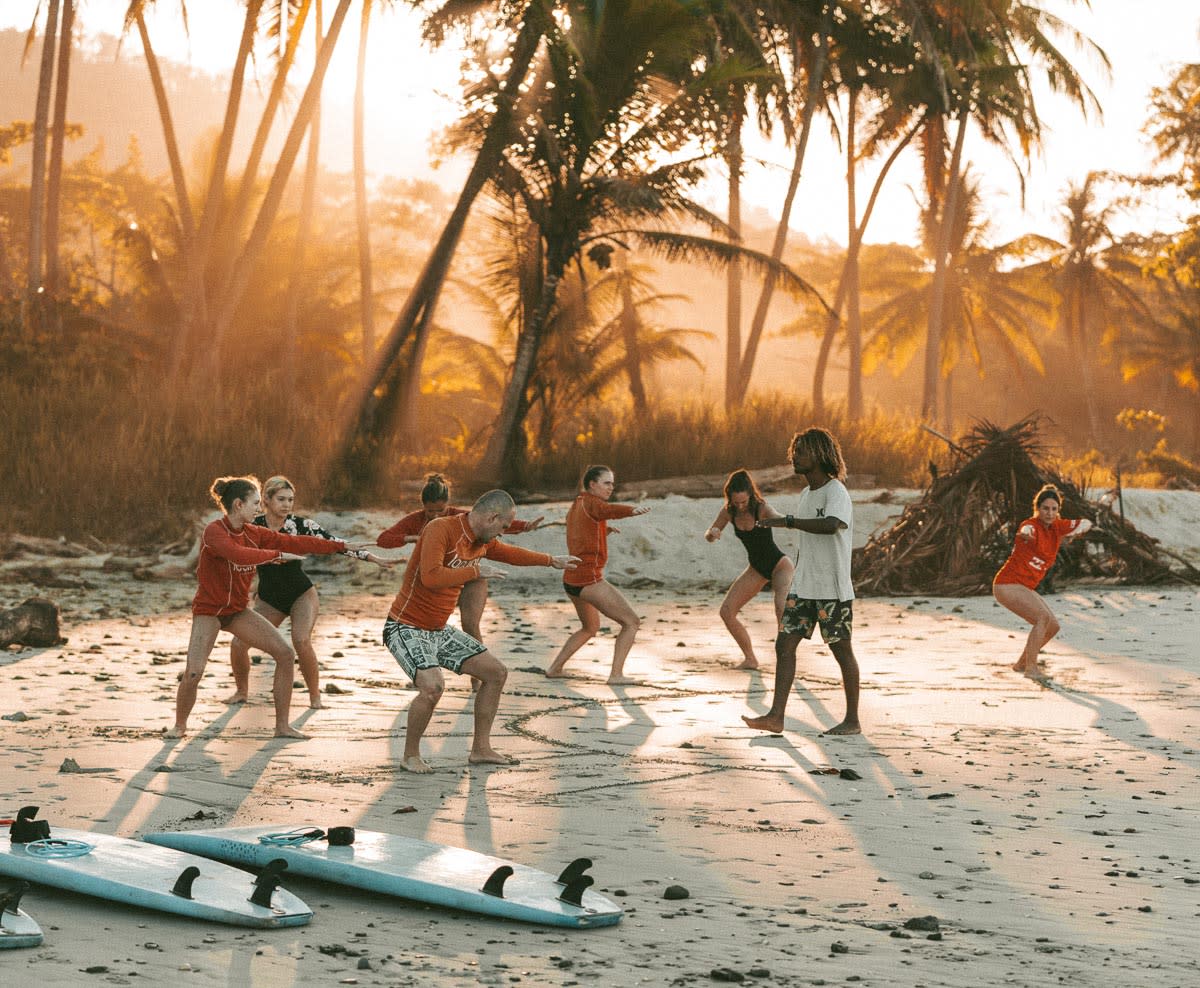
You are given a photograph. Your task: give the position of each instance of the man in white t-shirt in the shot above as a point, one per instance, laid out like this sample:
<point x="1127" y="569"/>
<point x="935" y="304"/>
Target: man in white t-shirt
<point x="822" y="594"/>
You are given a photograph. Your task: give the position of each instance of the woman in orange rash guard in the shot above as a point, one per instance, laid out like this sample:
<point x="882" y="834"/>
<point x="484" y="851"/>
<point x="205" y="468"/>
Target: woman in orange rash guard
<point x="231" y="549"/>
<point x="1034" y="551"/>
<point x="592" y="595"/>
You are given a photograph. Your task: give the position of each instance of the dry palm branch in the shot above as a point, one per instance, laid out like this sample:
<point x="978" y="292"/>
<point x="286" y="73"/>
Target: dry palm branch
<point x="953" y="540"/>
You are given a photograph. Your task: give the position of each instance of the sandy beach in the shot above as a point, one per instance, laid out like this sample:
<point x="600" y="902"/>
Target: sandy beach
<point x="1049" y="828"/>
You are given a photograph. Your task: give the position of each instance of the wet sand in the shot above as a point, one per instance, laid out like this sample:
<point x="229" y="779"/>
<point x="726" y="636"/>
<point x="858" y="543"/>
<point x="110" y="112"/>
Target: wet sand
<point x="1049" y="828"/>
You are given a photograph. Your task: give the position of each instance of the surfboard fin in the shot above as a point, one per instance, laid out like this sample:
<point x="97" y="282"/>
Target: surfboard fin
<point x="573" y="893"/>
<point x="10" y="901"/>
<point x="183" y="884"/>
<point x="267" y="882"/>
<point x="495" y="883"/>
<point x="572" y="871"/>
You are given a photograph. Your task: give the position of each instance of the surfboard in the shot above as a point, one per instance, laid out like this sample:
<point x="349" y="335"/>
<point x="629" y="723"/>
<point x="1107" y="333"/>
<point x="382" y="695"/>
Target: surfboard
<point x="412" y="868"/>
<point x="17" y="927"/>
<point x="138" y="874"/>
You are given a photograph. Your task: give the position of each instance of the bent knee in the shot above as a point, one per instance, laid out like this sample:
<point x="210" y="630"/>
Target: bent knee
<point x="728" y="614"/>
<point x="631" y="623"/>
<point x="431" y="693"/>
<point x="1052" y="627"/>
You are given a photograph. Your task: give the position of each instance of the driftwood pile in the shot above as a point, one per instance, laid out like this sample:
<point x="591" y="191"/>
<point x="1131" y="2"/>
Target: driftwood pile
<point x="953" y="540"/>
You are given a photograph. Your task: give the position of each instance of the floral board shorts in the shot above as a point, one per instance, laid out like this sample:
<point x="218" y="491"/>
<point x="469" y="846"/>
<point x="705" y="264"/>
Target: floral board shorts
<point x="416" y="649"/>
<point x="801" y="617"/>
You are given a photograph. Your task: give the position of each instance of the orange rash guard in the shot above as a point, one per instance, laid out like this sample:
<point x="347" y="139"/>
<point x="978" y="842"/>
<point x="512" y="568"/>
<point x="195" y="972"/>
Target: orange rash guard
<point x="587" y="537"/>
<point x="1031" y="559"/>
<point x="447" y="556"/>
<point x="228" y="560"/>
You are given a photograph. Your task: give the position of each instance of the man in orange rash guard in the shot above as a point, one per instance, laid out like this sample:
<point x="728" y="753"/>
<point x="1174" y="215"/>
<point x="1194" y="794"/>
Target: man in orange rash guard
<point x="435" y="503"/>
<point x="450" y="553"/>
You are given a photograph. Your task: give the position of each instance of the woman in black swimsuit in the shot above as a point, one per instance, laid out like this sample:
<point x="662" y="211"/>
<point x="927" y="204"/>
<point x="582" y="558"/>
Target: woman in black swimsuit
<point x="744" y="506"/>
<point x="284" y="590"/>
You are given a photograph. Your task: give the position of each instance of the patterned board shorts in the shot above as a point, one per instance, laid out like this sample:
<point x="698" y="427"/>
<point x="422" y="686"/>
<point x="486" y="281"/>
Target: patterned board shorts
<point x="415" y="648"/>
<point x="801" y="617"/>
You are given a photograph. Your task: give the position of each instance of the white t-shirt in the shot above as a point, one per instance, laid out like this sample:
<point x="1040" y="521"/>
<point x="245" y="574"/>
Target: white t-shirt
<point x="823" y="566"/>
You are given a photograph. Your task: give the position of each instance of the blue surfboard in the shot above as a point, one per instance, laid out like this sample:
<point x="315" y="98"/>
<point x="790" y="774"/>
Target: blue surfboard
<point x="412" y="869"/>
<point x="137" y="874"/>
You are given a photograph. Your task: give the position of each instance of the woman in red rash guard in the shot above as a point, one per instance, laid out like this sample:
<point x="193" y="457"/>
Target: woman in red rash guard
<point x="592" y="595"/>
<point x="230" y="550"/>
<point x="1034" y="552"/>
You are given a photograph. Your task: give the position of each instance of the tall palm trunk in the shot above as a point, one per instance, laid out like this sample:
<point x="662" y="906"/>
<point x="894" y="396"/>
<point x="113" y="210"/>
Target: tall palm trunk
<point x="57" y="140"/>
<point x="297" y="278"/>
<point x="392" y="383"/>
<point x="937" y="291"/>
<point x="853" y="251"/>
<point x="366" y="295"/>
<point x="854" y="395"/>
<point x="733" y="274"/>
<point x="37" y="175"/>
<point x="816" y="77"/>
<point x="249" y="180"/>
<point x="498" y="464"/>
<point x="183" y="200"/>
<point x="251" y="252"/>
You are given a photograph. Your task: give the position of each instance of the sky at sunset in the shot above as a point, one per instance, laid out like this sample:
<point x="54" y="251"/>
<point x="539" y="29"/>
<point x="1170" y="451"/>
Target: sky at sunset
<point x="411" y="98"/>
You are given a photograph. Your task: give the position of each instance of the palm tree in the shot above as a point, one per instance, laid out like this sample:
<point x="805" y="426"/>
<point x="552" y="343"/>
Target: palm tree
<point x="37" y="180"/>
<point x="987" y="54"/>
<point x="989" y="303"/>
<point x="1092" y="276"/>
<point x="388" y="395"/>
<point x="57" y="141"/>
<point x="584" y="168"/>
<point x="217" y="278"/>
<point x="809" y="25"/>
<point x="308" y="195"/>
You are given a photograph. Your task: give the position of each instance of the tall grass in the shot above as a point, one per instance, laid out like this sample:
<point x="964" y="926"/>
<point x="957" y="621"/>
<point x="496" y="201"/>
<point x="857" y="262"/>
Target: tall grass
<point x="96" y="447"/>
<point x="697" y="438"/>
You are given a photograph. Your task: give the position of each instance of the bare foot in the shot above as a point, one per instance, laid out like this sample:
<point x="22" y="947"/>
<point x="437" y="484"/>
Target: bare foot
<point x="747" y="664"/>
<point x="1031" y="671"/>
<point x="845" y="727"/>
<point x="1018" y="666"/>
<point x="766" y="723"/>
<point x="623" y="681"/>
<point x="416" y="764"/>
<point x="175" y="732"/>
<point x="290" y="732"/>
<point x="555" y="671"/>
<point x="490" y="757"/>
<point x="314" y="703"/>
<point x="238" y="697"/>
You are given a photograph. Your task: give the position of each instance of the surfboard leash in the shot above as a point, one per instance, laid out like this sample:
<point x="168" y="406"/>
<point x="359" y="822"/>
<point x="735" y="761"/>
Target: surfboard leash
<point x="58" y="847"/>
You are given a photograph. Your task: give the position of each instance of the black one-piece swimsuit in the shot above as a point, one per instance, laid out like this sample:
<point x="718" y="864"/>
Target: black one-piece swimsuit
<point x="282" y="584"/>
<point x="761" y="549"/>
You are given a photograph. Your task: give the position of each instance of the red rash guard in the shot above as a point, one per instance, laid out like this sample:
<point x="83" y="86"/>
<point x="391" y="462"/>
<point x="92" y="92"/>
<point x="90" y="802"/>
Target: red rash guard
<point x="228" y="560"/>
<point x="587" y="537"/>
<point x="446" y="557"/>
<point x="1031" y="559"/>
<point x="413" y="524"/>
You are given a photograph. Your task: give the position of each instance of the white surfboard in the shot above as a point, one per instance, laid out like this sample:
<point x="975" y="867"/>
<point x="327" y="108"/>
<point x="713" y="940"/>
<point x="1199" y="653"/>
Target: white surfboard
<point x="17" y="927"/>
<point x="416" y="869"/>
<point x="137" y="874"/>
